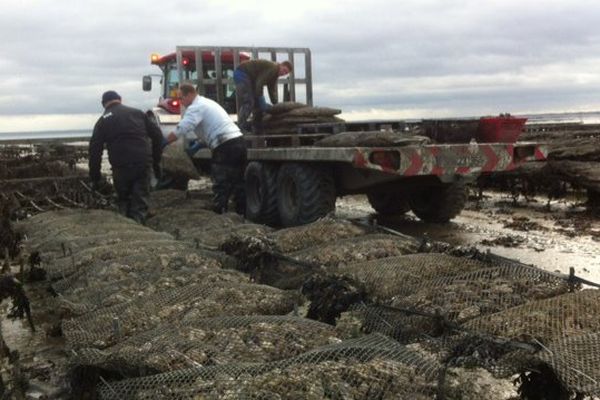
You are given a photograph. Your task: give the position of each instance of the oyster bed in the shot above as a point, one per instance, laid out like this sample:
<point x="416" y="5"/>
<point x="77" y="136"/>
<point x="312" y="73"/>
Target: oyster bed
<point x="213" y="341"/>
<point x="180" y="219"/>
<point x="144" y="302"/>
<point x="322" y="231"/>
<point x="288" y="274"/>
<point x="460" y="298"/>
<point x="84" y="298"/>
<point x="108" y="326"/>
<point x="386" y="278"/>
<point x="365" y="368"/>
<point x="567" y="315"/>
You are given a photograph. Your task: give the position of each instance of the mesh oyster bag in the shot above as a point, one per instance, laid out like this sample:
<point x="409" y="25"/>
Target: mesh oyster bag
<point x="211" y="341"/>
<point x="214" y="238"/>
<point x="440" y="305"/>
<point x="180" y="220"/>
<point x="90" y="257"/>
<point x="322" y="231"/>
<point x="87" y="294"/>
<point x="74" y="222"/>
<point x="385" y="278"/>
<point x="65" y="243"/>
<point x="284" y="107"/>
<point x="575" y="361"/>
<point x="371" y="139"/>
<point x="176" y="161"/>
<point x="299" y="265"/>
<point x="486" y="291"/>
<point x="563" y="316"/>
<point x="141" y="266"/>
<point x="366" y="368"/>
<point x="107" y="326"/>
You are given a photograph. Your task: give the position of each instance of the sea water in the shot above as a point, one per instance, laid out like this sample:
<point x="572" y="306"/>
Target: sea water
<point x="587" y="117"/>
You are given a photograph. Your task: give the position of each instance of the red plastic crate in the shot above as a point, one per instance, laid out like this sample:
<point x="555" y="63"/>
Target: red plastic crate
<point x="500" y="129"/>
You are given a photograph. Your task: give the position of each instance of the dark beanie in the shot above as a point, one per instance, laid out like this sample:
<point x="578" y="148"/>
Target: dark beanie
<point x="109" y="96"/>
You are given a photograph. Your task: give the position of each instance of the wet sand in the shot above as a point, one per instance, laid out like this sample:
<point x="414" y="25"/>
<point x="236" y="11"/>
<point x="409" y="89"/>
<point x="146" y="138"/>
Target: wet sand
<point x="555" y="240"/>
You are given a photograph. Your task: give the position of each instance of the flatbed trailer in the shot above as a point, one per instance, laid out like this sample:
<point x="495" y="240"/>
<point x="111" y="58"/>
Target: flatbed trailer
<point x="291" y="184"/>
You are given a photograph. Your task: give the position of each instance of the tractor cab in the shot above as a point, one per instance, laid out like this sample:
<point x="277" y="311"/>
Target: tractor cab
<point x="171" y="77"/>
<point x="214" y="75"/>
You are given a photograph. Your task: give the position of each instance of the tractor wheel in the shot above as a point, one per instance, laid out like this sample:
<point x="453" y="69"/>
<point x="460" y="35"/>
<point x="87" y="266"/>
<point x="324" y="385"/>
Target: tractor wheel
<point x="261" y="193"/>
<point x="389" y="203"/>
<point x="438" y="203"/>
<point x="305" y="193"/>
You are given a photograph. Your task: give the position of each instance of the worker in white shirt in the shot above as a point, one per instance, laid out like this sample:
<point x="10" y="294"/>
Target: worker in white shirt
<point x="212" y="124"/>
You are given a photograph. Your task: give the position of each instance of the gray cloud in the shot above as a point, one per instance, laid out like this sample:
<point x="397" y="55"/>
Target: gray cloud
<point x="459" y="57"/>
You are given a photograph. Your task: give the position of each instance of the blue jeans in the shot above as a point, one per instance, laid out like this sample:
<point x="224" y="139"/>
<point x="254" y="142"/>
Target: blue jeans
<point x="243" y="88"/>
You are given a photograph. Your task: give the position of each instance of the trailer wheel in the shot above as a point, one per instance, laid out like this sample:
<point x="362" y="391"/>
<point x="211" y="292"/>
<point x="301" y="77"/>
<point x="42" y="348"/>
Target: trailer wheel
<point x="438" y="203"/>
<point x="305" y="193"/>
<point x="388" y="203"/>
<point x="261" y="193"/>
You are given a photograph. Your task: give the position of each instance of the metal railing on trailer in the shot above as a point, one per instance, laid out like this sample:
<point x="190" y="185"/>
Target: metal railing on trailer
<point x="292" y="81"/>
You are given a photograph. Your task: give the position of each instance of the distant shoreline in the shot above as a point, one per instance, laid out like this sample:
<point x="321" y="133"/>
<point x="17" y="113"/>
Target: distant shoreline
<point x="585" y="117"/>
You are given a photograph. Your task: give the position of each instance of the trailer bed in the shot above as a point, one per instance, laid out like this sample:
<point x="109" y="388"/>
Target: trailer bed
<point x="412" y="160"/>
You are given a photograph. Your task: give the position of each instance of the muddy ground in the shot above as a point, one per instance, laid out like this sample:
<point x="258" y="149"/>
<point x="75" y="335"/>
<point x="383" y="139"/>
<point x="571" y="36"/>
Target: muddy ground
<point x="553" y="238"/>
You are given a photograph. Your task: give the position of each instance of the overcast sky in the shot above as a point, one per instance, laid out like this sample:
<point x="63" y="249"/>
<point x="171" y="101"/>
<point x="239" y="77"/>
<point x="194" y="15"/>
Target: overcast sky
<point x="372" y="59"/>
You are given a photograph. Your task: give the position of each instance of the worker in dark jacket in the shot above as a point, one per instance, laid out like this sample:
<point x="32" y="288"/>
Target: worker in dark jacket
<point x="134" y="144"/>
<point x="250" y="77"/>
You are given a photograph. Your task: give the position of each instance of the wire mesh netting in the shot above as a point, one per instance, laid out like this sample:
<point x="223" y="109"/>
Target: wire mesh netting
<point x="430" y="307"/>
<point x="322" y="231"/>
<point x="385" y="278"/>
<point x="544" y="320"/>
<point x="88" y="294"/>
<point x="486" y="291"/>
<point x="179" y="220"/>
<point x="575" y="361"/>
<point x="293" y="271"/>
<point x="212" y="341"/>
<point x="110" y="325"/>
<point x="45" y="224"/>
<point x="92" y="256"/>
<point x="214" y="238"/>
<point x="142" y="266"/>
<point x="366" y="368"/>
<point x="65" y="243"/>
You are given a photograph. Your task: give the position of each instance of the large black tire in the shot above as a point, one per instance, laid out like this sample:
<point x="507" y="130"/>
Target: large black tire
<point x="438" y="203"/>
<point x="389" y="203"/>
<point x="305" y="193"/>
<point x="261" y="193"/>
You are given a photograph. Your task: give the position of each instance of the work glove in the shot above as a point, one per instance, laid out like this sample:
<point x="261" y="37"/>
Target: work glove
<point x="194" y="147"/>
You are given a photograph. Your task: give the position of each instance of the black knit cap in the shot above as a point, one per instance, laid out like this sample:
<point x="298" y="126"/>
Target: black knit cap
<point x="109" y="96"/>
